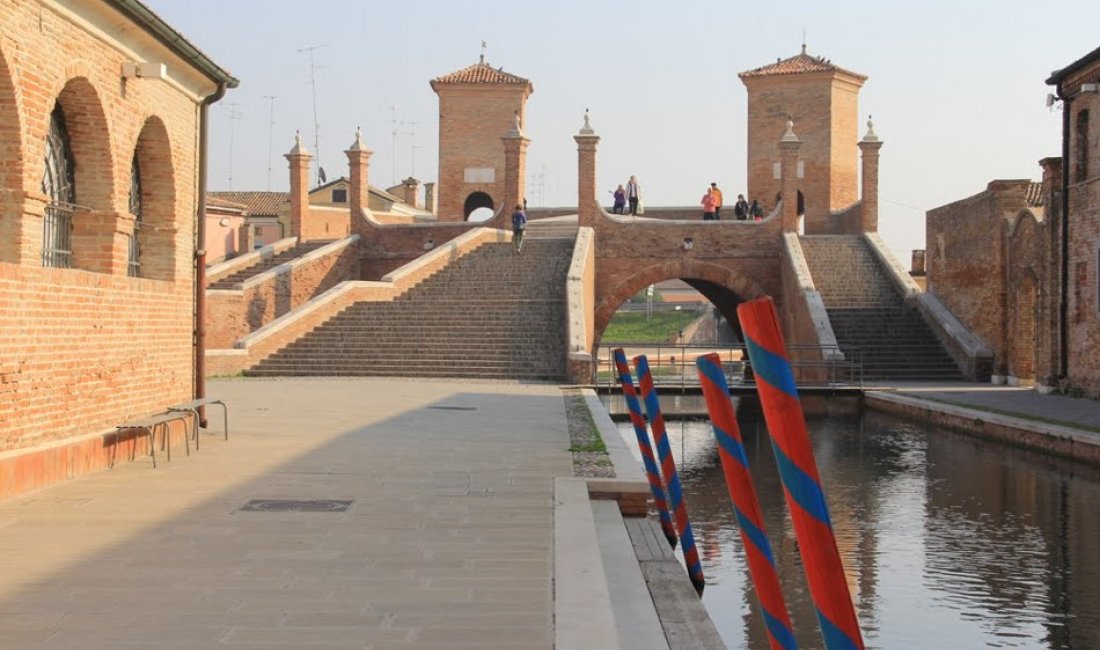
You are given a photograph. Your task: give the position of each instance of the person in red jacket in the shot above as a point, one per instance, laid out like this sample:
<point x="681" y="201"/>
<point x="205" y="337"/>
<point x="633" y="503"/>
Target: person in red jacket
<point x="709" y="204"/>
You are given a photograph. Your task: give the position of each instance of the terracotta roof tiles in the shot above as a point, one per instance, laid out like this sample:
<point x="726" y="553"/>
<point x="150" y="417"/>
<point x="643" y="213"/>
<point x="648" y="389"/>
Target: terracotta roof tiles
<point x="798" y="64"/>
<point x="480" y="73"/>
<point x="258" y="203"/>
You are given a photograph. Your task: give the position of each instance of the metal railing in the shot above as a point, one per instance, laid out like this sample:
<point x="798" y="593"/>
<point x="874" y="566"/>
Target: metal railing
<point x="133" y="260"/>
<point x="673" y="365"/>
<point x="57" y="230"/>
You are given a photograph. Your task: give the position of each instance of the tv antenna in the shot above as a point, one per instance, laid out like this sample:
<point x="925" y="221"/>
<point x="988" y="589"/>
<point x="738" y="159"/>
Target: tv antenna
<point x="538" y="185"/>
<point x="270" y="134"/>
<point x="395" y="131"/>
<point x="309" y="50"/>
<point x="234" y="115"/>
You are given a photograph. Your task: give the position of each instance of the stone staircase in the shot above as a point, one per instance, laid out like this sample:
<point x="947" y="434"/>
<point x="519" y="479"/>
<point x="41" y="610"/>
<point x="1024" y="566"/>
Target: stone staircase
<point x="871" y="323"/>
<point x="268" y="263"/>
<point x="491" y="314"/>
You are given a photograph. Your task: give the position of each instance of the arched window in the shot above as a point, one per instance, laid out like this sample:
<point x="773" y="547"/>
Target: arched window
<point x="133" y="267"/>
<point x="59" y="186"/>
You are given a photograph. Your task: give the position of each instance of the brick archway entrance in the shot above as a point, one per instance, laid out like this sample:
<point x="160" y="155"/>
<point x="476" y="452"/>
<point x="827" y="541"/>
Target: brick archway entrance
<point x="475" y="201"/>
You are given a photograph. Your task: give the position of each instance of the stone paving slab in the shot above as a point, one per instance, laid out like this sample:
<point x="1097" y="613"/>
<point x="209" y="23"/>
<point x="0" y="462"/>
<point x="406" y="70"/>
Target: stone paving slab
<point x="447" y="543"/>
<point x="1069" y="411"/>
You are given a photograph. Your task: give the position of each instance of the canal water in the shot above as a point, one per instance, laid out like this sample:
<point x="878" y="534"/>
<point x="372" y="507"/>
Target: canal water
<point x="948" y="541"/>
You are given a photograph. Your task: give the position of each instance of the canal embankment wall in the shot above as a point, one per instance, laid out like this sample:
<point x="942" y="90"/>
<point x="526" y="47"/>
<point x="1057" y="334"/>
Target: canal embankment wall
<point x="1068" y="442"/>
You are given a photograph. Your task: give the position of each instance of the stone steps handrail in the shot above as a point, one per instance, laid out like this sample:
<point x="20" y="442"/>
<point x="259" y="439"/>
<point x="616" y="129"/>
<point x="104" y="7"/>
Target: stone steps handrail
<point x="288" y="267"/>
<point x="216" y="272"/>
<point x="581" y="300"/>
<point x="811" y="298"/>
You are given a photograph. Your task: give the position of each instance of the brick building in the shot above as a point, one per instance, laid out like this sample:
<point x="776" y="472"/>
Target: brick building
<point x="102" y="109"/>
<point x="1016" y="272"/>
<point x="1078" y="87"/>
<point x="823" y="100"/>
<point x="477" y="105"/>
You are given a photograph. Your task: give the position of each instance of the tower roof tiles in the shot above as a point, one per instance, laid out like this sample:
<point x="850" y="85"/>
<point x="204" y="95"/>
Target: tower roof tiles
<point x="798" y="64"/>
<point x="480" y="73"/>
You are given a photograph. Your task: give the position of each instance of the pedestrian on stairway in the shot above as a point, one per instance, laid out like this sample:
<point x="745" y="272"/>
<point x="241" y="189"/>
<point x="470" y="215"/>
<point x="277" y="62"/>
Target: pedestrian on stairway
<point x="708" y="205"/>
<point x="717" y="201"/>
<point x="519" y="224"/>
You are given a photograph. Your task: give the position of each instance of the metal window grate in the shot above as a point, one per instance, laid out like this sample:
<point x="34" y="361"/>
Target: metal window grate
<point x="57" y="228"/>
<point x="133" y="260"/>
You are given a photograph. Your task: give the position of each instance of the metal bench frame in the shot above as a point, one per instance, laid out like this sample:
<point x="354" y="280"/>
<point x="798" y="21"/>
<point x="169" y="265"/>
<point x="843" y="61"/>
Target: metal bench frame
<point x="193" y="407"/>
<point x="149" y="426"/>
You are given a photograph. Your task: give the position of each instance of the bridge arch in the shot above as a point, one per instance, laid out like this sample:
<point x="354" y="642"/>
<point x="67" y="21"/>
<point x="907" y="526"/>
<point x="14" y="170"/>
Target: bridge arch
<point x="476" y="201"/>
<point x="724" y="287"/>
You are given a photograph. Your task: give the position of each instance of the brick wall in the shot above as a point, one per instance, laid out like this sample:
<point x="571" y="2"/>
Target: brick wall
<point x="88" y="347"/>
<point x="1084" y="285"/>
<point x="965" y="260"/>
<point x="232" y="314"/>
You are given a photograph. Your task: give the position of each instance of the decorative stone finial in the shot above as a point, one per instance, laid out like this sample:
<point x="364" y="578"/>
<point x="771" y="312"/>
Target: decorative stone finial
<point x="358" y="144"/>
<point x="298" y="149"/>
<point x="587" y="128"/>
<point x="870" y="136"/>
<point x="517" y="130"/>
<point x="789" y="136"/>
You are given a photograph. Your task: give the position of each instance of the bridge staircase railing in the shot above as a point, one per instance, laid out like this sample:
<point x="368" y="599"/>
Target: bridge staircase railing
<point x="673" y="365"/>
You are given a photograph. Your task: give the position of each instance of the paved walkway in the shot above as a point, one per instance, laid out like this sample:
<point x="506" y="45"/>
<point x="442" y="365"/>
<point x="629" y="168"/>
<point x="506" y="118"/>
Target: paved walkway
<point x="446" y="544"/>
<point x="1025" y="402"/>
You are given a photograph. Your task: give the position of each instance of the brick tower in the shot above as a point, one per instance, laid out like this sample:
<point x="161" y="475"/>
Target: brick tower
<point x="477" y="106"/>
<point x="823" y="100"/>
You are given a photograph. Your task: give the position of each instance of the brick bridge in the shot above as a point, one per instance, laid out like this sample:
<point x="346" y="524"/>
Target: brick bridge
<point x="309" y="310"/>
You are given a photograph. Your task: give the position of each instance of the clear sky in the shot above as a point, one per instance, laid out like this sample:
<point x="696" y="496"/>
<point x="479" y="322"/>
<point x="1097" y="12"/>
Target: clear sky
<point x="955" y="87"/>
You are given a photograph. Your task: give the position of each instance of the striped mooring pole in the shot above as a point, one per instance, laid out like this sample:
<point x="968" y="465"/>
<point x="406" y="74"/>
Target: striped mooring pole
<point x="668" y="468"/>
<point x="746" y="507"/>
<point x="801" y="482"/>
<point x="651" y="471"/>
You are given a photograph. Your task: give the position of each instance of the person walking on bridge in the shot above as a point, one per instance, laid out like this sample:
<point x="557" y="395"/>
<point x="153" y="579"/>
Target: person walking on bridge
<point x="620" y="200"/>
<point x="756" y="211"/>
<point x="519" y="224"/>
<point x="717" y="201"/>
<point x="741" y="208"/>
<point x="633" y="194"/>
<point x="708" y="205"/>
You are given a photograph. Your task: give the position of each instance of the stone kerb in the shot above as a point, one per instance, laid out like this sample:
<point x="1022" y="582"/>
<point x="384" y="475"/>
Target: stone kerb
<point x="581" y="306"/>
<point x="220" y="270"/>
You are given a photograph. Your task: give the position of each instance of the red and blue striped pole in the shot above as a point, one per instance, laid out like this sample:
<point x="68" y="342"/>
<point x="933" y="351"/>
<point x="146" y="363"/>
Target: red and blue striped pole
<point x="651" y="471"/>
<point x="746" y="507"/>
<point x="668" y="467"/>
<point x="801" y="482"/>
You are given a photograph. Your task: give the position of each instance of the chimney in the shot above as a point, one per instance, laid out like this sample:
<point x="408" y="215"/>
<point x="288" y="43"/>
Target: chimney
<point x="410" y="189"/>
<point x="430" y="199"/>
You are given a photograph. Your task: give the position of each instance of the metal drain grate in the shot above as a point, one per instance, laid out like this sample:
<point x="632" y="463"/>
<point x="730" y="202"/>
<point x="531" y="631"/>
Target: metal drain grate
<point x="454" y="408"/>
<point x="295" y="505"/>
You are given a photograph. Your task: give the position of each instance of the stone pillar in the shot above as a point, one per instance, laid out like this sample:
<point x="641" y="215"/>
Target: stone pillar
<point x="299" y="160"/>
<point x="358" y="173"/>
<point x="430" y="198"/>
<point x="587" y="205"/>
<point x="515" y="166"/>
<point x="868" y="211"/>
<point x="789" y="145"/>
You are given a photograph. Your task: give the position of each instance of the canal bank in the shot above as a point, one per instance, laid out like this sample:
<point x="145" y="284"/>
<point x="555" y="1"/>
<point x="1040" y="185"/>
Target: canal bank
<point x="1055" y="424"/>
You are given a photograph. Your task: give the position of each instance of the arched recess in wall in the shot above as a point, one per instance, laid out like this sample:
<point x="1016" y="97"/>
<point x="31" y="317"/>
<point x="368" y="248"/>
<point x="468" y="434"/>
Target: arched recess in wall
<point x="11" y="152"/>
<point x="88" y="135"/>
<point x="155" y="199"/>
<point x="478" y="201"/>
<point x="1024" y="315"/>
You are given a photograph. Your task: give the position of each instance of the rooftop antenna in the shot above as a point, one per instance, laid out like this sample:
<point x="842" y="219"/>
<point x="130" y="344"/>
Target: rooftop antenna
<point x="234" y="115"/>
<point x="309" y="50"/>
<point x="538" y="185"/>
<point x="270" y="134"/>
<point x="412" y="146"/>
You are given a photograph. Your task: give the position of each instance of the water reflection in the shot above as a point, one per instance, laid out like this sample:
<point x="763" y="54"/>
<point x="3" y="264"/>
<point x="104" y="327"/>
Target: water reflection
<point x="948" y="541"/>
